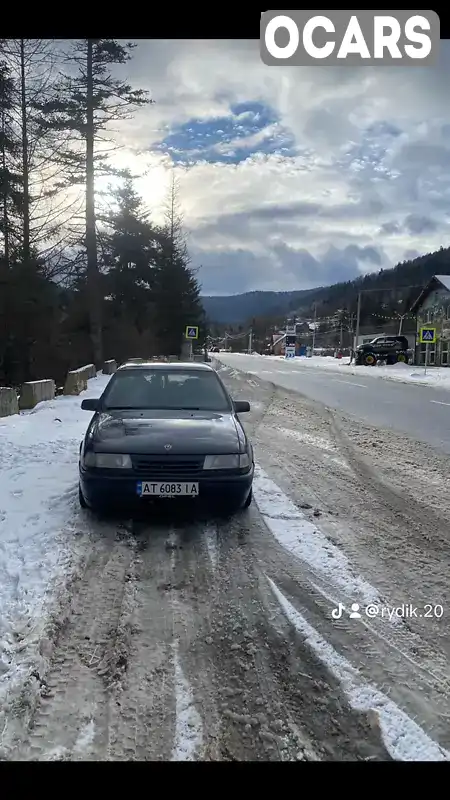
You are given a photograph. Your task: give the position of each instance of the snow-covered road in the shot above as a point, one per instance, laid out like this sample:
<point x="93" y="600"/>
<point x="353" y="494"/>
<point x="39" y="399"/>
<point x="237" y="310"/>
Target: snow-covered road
<point x="400" y="403"/>
<point x="437" y="377"/>
<point x="184" y="639"/>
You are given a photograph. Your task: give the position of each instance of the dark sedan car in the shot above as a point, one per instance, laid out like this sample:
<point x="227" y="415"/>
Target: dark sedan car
<point x="165" y="431"/>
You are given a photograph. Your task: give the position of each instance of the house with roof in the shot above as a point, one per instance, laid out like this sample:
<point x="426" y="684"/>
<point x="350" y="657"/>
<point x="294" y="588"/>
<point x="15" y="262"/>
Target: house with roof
<point x="277" y="344"/>
<point x="432" y="307"/>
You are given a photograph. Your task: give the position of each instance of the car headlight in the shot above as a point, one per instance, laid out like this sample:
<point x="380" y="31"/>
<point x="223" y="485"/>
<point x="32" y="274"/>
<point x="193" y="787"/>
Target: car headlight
<point x="227" y="461"/>
<point x="107" y="460"/>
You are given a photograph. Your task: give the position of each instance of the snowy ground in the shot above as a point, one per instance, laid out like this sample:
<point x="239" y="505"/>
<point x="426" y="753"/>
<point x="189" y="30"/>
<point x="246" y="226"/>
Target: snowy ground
<point x="187" y="640"/>
<point x="39" y="519"/>
<point x="438" y="376"/>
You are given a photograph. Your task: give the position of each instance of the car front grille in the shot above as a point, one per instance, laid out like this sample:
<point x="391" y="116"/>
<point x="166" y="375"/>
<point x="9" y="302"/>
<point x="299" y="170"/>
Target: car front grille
<point x="167" y="466"/>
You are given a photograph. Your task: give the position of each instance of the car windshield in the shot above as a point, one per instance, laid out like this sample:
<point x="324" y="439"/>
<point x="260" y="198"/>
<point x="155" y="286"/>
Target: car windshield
<point x="190" y="390"/>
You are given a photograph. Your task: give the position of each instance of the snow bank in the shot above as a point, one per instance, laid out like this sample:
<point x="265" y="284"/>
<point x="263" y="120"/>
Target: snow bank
<point x="305" y="541"/>
<point x="405" y="373"/>
<point x="39" y="518"/>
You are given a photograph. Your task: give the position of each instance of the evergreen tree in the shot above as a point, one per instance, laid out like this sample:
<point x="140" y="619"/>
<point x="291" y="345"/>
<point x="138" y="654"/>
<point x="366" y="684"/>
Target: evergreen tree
<point x="177" y="292"/>
<point x="11" y="196"/>
<point x="87" y="103"/>
<point x="130" y="251"/>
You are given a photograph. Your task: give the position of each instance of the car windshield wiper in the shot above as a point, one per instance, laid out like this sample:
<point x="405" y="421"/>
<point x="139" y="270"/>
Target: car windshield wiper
<point x="197" y="408"/>
<point x="183" y="408"/>
<point x="124" y="408"/>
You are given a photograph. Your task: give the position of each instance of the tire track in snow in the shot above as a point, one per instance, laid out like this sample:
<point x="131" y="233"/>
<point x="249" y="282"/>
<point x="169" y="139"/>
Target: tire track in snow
<point x="84" y="661"/>
<point x="277" y="701"/>
<point x="413" y="670"/>
<point x="387" y="651"/>
<point x="404" y="739"/>
<point x="193" y="564"/>
<point x="165" y="709"/>
<point x="143" y="713"/>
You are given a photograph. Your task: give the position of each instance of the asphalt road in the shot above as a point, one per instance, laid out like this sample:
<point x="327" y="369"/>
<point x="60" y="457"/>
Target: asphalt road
<point x="421" y="412"/>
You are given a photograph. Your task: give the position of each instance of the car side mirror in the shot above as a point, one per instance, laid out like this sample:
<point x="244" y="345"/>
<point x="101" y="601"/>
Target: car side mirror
<point x="241" y="406"/>
<point x="90" y="404"/>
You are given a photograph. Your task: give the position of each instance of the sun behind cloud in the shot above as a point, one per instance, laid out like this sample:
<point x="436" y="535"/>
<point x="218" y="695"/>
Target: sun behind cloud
<point x="292" y="178"/>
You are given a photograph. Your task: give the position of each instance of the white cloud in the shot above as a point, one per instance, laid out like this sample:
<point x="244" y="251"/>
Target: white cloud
<point x="368" y="164"/>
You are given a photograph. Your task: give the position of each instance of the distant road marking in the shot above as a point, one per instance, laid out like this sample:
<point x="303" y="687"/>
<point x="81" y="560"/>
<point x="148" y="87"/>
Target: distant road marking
<point x="336" y="380"/>
<point x="439" y="403"/>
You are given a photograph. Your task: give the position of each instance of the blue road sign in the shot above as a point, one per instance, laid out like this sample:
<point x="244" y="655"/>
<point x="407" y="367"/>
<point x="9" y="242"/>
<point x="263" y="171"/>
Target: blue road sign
<point x="427" y="335"/>
<point x="191" y="332"/>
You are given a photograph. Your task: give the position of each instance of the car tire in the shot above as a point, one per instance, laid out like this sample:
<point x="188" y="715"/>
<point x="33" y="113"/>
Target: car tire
<point x="248" y="500"/>
<point x="232" y="511"/>
<point x="81" y="499"/>
<point x="370" y="360"/>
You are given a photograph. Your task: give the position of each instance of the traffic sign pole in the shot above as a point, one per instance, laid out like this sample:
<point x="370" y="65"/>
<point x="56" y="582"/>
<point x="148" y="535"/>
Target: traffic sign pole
<point x="427" y="336"/>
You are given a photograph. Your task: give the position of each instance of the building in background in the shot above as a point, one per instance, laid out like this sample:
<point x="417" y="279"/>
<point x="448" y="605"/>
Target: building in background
<point x="432" y="308"/>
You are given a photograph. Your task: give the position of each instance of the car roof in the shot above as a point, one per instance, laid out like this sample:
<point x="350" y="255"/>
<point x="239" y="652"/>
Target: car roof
<point x="172" y="366"/>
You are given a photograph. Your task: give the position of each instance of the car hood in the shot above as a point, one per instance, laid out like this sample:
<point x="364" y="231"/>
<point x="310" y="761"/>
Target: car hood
<point x="152" y="431"/>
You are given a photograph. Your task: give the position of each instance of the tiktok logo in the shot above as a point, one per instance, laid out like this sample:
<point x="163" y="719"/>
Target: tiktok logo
<point x="354" y="611"/>
<point x="337" y="612"/>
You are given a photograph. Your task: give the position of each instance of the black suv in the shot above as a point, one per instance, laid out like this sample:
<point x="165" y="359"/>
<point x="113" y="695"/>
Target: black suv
<point x="391" y="349"/>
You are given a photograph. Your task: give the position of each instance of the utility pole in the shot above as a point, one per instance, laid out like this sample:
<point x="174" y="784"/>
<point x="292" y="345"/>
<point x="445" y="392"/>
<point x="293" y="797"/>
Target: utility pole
<point x="400" y="327"/>
<point x="314" y="329"/>
<point x="358" y="317"/>
<point x="250" y="337"/>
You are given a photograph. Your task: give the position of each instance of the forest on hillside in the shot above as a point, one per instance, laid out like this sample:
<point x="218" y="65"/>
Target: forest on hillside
<point x="85" y="274"/>
<point x="386" y="297"/>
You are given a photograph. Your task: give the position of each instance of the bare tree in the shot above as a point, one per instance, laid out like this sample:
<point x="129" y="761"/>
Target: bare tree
<point x="174" y="222"/>
<point x="33" y="66"/>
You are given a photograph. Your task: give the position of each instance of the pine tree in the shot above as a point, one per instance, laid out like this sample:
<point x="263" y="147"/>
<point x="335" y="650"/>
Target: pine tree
<point x="11" y="195"/>
<point x="177" y="292"/>
<point x="87" y="103"/>
<point x="130" y="251"/>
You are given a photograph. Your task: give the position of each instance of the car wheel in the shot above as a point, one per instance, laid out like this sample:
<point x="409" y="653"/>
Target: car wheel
<point x="233" y="510"/>
<point x="81" y="499"/>
<point x="370" y="360"/>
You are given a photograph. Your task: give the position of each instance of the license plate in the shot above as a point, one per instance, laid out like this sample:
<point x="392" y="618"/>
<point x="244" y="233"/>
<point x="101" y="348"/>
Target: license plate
<point x="167" y="489"/>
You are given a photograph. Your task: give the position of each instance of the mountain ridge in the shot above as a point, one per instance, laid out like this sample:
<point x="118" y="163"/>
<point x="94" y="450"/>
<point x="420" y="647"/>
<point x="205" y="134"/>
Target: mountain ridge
<point x="404" y="280"/>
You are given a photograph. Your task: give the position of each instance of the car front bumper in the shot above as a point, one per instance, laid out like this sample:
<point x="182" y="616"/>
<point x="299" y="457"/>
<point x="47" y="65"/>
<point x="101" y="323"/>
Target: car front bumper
<point x="112" y="491"/>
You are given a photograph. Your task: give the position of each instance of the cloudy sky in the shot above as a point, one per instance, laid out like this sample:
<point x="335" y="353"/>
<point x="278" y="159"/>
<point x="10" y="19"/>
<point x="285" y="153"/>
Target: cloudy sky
<point x="292" y="177"/>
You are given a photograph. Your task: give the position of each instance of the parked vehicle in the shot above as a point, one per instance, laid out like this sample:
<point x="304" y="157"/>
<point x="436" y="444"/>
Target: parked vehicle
<point x="391" y="349"/>
<point x="165" y="431"/>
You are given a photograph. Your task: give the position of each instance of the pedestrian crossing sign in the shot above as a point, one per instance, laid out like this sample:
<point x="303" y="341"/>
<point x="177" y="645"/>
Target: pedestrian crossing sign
<point x="191" y="332"/>
<point x="427" y="335"/>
